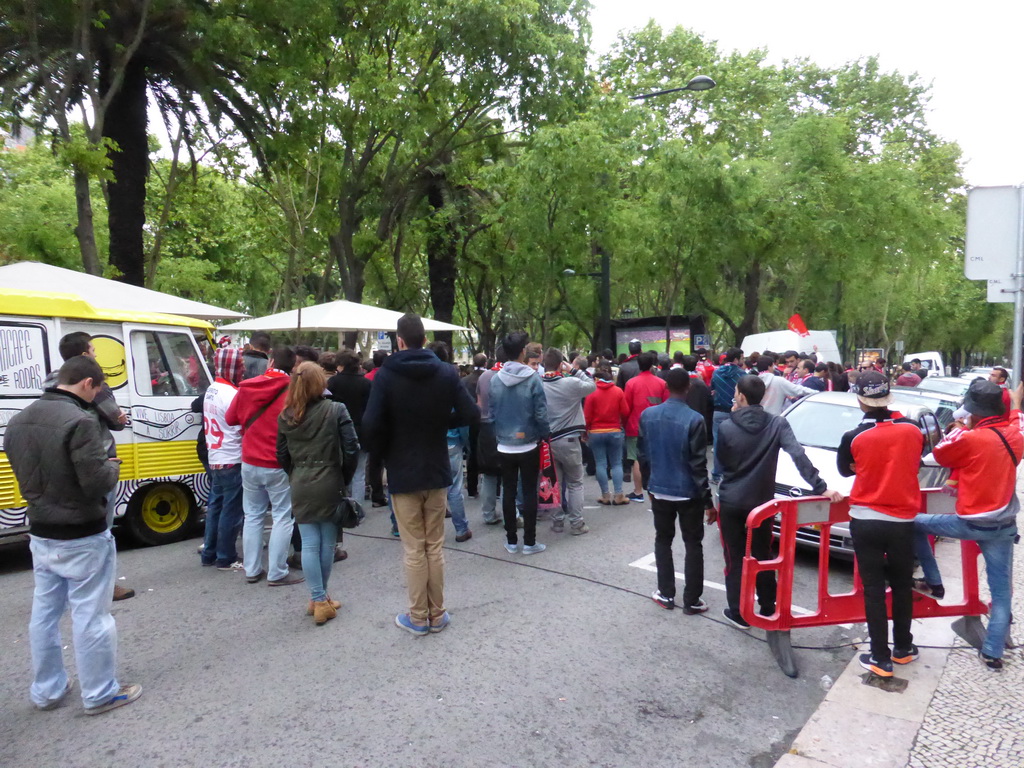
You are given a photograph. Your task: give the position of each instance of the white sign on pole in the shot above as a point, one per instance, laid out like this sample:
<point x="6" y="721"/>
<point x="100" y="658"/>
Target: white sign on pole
<point x="1002" y="291"/>
<point x="992" y="230"/>
<point x="383" y="341"/>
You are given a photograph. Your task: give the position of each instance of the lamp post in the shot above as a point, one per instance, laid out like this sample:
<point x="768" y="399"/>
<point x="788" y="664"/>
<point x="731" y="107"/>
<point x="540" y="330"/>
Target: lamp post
<point x="605" y="339"/>
<point x="699" y="83"/>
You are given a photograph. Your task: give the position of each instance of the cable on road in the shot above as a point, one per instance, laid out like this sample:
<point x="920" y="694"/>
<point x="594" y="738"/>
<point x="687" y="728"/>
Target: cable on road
<point x="629" y="591"/>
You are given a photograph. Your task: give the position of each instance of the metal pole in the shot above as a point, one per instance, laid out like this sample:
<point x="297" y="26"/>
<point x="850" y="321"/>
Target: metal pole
<point x="606" y="301"/>
<point x="1018" y="297"/>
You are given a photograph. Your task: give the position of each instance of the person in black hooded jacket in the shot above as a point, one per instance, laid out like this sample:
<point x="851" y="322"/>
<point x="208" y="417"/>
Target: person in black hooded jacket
<point x="414" y="401"/>
<point x="747" y="449"/>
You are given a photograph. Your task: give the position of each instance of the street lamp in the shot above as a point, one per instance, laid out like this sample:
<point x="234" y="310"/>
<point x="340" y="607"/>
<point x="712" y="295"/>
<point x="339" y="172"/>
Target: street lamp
<point x="699" y="83"/>
<point x="604" y="336"/>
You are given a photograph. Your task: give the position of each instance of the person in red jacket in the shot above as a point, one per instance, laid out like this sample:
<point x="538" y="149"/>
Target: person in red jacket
<point x="604" y="411"/>
<point x="642" y="391"/>
<point x="256" y="408"/>
<point x="984" y="449"/>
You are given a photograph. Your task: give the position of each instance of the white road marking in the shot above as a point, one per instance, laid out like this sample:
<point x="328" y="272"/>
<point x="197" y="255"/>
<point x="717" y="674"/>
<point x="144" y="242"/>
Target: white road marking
<point x="646" y="563"/>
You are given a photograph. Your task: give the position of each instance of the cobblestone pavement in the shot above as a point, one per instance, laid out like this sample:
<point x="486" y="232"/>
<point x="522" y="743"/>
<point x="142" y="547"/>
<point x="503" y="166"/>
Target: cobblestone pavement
<point x="976" y="717"/>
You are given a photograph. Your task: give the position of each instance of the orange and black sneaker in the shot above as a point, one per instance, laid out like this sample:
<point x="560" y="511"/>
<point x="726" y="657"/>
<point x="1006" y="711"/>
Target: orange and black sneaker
<point x="880" y="668"/>
<point x="904" y="656"/>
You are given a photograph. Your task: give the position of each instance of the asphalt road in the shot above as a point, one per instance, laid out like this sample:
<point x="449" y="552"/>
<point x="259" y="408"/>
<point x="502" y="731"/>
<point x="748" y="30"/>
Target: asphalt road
<point x="538" y="668"/>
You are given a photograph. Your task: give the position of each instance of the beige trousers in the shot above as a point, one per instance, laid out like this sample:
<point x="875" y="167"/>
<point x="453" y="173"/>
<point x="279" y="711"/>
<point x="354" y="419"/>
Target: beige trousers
<point x="420" y="518"/>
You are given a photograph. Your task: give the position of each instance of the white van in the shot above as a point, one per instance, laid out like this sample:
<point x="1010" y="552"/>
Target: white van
<point x="154" y="364"/>
<point x="930" y="361"/>
<point x="821" y="343"/>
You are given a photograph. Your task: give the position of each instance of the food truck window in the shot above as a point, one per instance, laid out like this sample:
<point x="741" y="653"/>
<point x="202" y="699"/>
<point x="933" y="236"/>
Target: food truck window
<point x="167" y="364"/>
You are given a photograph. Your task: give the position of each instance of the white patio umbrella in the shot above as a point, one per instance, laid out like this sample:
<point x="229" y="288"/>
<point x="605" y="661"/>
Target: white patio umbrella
<point x="334" y="316"/>
<point x="103" y="293"/>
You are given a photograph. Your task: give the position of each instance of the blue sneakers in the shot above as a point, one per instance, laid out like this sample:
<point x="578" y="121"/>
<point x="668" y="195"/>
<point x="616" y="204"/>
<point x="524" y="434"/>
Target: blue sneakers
<point x="442" y="623"/>
<point x="404" y="621"/>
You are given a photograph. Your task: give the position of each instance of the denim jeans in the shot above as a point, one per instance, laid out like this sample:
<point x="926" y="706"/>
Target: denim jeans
<point x="997" y="547"/>
<point x="716" y="421"/>
<point x="79" y="572"/>
<point x="456" y="501"/>
<point x="223" y="516"/>
<point x="263" y="487"/>
<point x="489" y="497"/>
<point x="567" y="456"/>
<point x="318" y="541"/>
<point x="357" y="490"/>
<point x="607" y="448"/>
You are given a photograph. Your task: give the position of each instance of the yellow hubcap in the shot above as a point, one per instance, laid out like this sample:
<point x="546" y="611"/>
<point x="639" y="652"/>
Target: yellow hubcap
<point x="165" y="508"/>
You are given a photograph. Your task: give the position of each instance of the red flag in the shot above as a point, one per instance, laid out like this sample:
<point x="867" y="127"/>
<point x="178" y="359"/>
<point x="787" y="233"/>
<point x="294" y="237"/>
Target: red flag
<point x="796" y="324"/>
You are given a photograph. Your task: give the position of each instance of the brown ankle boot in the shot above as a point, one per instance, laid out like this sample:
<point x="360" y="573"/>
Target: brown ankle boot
<point x="620" y="499"/>
<point x="323" y="612"/>
<point x="310" y="608"/>
<point x="606" y="499"/>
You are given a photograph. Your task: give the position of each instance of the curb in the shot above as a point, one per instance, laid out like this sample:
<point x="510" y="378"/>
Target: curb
<point x="861" y="726"/>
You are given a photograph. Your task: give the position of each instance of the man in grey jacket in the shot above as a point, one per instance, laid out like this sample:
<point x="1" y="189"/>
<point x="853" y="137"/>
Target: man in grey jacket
<point x="779" y="391"/>
<point x="565" y="386"/>
<point x="747" y="449"/>
<point x="57" y="452"/>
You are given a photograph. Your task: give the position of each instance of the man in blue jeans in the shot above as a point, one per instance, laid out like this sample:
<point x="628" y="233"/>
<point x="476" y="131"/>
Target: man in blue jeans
<point x="984" y="448"/>
<point x="224" y="446"/>
<point x="57" y="452"/>
<point x="723" y="388"/>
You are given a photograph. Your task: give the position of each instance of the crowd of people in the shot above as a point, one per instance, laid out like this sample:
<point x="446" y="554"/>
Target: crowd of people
<point x="307" y="436"/>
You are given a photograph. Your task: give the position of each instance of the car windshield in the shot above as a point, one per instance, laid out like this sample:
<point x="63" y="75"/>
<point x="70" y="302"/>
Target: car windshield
<point x="957" y="388"/>
<point x="822" y="425"/>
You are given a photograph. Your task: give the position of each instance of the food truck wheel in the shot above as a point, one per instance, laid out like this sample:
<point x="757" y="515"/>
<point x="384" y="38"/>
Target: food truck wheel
<point x="161" y="513"/>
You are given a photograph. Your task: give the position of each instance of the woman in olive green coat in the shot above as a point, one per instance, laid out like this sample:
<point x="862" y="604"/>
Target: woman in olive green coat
<point x="318" y="448"/>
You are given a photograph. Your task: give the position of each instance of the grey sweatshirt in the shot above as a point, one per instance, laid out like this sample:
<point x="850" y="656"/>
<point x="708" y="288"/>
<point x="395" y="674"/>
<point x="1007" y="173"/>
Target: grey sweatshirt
<point x="565" y="403"/>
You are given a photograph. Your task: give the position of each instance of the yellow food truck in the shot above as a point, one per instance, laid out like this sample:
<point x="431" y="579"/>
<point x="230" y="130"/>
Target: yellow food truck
<point x="155" y="365"/>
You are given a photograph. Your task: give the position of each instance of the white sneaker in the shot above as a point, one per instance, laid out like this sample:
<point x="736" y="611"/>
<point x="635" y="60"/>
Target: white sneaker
<point x="533" y="549"/>
<point x="511" y="548"/>
<point x="235" y="566"/>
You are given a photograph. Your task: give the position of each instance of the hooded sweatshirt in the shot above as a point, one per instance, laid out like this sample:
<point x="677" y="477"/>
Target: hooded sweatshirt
<point x="259" y="439"/>
<point x="415" y="399"/>
<point x="606" y="409"/>
<point x="564" y="395"/>
<point x="748" y="450"/>
<point x="519" y="409"/>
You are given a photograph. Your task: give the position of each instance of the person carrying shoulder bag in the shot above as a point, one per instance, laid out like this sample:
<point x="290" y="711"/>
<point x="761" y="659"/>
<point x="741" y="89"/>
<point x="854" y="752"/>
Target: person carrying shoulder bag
<point x="317" y="447"/>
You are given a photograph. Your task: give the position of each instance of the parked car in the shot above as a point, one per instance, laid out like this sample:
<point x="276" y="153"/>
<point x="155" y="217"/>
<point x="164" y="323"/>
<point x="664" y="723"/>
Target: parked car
<point x="982" y="372"/>
<point x="819" y="423"/>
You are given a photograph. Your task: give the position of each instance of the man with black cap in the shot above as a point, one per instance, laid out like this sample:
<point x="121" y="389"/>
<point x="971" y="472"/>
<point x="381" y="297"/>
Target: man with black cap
<point x="984" y="448"/>
<point x="883" y="453"/>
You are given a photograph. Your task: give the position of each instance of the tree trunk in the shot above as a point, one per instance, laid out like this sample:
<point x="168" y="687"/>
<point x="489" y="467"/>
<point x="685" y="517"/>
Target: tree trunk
<point x="751" y="302"/>
<point x="442" y="242"/>
<point x="84" y="230"/>
<point x="125" y="123"/>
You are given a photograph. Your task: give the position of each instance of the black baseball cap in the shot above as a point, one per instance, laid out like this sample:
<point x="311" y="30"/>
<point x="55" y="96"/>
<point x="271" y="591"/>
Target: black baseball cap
<point x="872" y="389"/>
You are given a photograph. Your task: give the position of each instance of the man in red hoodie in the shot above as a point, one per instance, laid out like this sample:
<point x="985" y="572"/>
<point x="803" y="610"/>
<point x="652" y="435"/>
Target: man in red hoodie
<point x="984" y="449"/>
<point x="256" y="408"/>
<point x="642" y="391"/>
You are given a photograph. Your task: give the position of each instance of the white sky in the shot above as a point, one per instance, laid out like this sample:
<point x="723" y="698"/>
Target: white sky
<point x="963" y="49"/>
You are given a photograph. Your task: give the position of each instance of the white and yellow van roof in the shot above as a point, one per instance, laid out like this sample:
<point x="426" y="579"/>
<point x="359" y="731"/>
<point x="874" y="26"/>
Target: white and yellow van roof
<point x="14" y="301"/>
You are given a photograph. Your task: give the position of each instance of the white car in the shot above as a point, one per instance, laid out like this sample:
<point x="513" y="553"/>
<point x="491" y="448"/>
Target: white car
<point x="819" y="423"/>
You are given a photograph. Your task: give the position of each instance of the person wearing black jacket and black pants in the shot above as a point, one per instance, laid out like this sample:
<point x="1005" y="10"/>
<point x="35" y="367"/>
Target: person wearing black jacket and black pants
<point x="748" y="452"/>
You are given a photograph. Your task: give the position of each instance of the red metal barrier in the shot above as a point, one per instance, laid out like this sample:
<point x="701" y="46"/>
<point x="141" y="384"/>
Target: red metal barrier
<point x="847" y="607"/>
